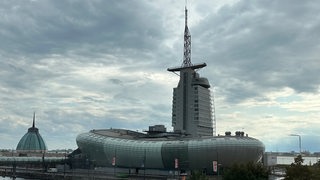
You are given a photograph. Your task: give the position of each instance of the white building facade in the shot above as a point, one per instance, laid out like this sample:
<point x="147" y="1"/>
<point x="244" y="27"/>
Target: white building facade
<point x="273" y="159"/>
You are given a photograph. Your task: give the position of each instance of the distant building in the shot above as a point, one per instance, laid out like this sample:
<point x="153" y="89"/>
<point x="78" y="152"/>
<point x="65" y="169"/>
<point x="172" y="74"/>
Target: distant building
<point x="32" y="142"/>
<point x="277" y="158"/>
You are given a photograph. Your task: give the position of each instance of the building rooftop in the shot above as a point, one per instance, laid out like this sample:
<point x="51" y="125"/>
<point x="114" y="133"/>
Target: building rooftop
<point x="166" y="136"/>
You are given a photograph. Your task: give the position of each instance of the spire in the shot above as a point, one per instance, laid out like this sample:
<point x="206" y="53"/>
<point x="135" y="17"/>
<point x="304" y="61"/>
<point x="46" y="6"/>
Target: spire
<point x="34" y="119"/>
<point x="186" y="16"/>
<point x="187" y="43"/>
<point x="186" y="64"/>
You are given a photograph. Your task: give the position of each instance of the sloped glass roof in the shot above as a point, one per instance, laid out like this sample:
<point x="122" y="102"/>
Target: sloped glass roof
<point x="32" y="140"/>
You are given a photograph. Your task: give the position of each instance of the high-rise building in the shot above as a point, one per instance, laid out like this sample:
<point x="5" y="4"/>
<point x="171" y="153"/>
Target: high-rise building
<point x="191" y="106"/>
<point x="191" y="147"/>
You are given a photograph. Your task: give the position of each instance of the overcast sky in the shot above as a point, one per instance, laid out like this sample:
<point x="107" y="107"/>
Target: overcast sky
<point x="83" y="65"/>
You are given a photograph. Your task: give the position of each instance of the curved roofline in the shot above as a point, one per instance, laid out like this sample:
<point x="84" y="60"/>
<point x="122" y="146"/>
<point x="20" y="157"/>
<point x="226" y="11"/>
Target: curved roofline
<point x="168" y="136"/>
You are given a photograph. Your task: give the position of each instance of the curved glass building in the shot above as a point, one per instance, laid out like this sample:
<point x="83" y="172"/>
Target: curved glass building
<point x="125" y="148"/>
<point x="192" y="144"/>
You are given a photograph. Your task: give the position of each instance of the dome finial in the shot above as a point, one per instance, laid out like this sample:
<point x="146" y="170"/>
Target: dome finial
<point x="34" y="119"/>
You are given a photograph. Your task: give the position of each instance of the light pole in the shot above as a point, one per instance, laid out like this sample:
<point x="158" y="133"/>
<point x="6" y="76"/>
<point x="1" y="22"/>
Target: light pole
<point x="299" y="141"/>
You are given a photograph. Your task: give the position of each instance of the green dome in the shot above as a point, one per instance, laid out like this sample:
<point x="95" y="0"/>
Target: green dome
<point x="32" y="141"/>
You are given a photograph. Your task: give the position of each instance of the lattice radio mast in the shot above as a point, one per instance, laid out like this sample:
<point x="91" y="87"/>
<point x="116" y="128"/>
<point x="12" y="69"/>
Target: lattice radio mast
<point x="187" y="43"/>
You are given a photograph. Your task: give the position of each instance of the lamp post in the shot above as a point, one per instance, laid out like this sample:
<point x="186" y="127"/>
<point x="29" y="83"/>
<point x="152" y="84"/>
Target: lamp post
<point x="299" y="141"/>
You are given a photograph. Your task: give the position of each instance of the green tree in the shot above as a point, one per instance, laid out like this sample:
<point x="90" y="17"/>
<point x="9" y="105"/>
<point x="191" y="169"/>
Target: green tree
<point x="297" y="171"/>
<point x="317" y="164"/>
<point x="249" y="171"/>
<point x="198" y="175"/>
<point x="315" y="171"/>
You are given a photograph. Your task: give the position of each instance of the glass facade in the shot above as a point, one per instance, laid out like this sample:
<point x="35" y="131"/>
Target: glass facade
<point x="32" y="142"/>
<point x="191" y="154"/>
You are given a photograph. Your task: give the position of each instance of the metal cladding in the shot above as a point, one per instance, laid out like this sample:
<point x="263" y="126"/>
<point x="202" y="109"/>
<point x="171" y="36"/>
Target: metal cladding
<point x="134" y="150"/>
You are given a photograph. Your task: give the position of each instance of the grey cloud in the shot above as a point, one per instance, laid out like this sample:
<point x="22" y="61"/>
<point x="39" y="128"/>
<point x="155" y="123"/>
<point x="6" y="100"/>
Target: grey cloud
<point x="116" y="81"/>
<point x="48" y="47"/>
<point x="49" y="26"/>
<point x="272" y="44"/>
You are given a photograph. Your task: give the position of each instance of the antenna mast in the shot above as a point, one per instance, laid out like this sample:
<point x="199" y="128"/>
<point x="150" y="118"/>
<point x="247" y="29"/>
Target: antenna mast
<point x="187" y="43"/>
<point x="186" y="64"/>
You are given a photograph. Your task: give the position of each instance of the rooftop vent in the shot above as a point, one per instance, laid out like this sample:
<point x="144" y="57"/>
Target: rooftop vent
<point x="240" y="133"/>
<point x="157" y="129"/>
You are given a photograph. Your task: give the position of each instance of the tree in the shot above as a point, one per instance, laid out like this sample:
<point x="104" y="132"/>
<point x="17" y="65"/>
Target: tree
<point x="315" y="170"/>
<point x="198" y="175"/>
<point x="297" y="171"/>
<point x="249" y="171"/>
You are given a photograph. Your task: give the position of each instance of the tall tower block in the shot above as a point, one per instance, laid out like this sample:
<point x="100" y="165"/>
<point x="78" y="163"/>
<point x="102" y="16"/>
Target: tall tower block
<point x="191" y="105"/>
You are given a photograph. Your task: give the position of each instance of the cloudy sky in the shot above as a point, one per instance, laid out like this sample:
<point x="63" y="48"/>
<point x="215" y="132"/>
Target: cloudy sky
<point x="91" y="64"/>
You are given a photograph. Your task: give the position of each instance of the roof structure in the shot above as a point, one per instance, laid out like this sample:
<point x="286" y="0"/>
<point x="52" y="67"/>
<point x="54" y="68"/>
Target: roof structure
<point x="32" y="140"/>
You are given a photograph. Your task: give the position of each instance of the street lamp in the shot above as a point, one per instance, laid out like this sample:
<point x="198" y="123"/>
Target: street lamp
<point x="299" y="140"/>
